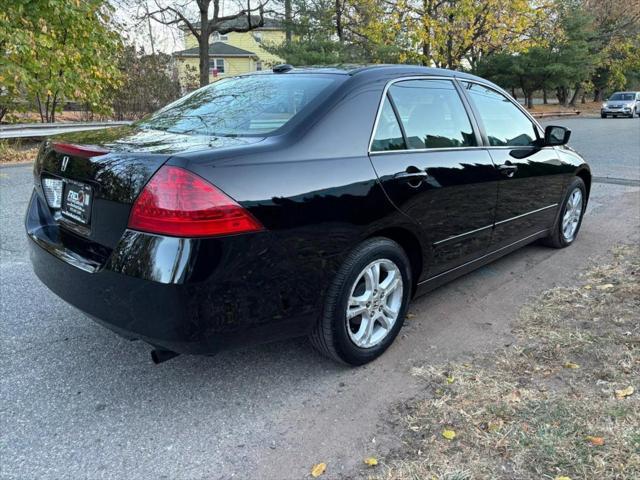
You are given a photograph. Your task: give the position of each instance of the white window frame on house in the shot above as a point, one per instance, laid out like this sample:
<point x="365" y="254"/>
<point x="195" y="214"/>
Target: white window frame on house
<point x="215" y="64"/>
<point x="220" y="38"/>
<point x="259" y="65"/>
<point x="257" y="36"/>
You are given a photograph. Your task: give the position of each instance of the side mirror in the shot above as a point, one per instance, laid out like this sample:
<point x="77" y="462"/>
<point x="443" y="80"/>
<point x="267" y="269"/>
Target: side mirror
<point x="556" y="135"/>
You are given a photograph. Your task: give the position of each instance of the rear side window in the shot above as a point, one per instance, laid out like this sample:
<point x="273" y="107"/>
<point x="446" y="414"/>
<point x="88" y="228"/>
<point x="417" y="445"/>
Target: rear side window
<point x="388" y="133"/>
<point x="432" y="114"/>
<point x="504" y="123"/>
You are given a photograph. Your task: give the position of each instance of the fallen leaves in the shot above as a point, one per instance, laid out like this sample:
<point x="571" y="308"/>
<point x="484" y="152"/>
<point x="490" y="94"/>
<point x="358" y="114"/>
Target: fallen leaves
<point x="562" y="477"/>
<point x="595" y="441"/>
<point x="606" y="286"/>
<point x="371" y="461"/>
<point x="449" y="434"/>
<point x="625" y="392"/>
<point x="495" y="425"/>
<point x="318" y="469"/>
<point x="514" y="397"/>
<point x="571" y="365"/>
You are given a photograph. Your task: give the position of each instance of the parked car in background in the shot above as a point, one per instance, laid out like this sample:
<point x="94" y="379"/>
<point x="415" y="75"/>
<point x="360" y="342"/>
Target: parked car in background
<point x="297" y="202"/>
<point x="625" y="104"/>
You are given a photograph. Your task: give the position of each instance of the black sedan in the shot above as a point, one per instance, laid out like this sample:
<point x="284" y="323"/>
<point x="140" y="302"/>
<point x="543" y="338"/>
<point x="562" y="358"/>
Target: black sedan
<point x="297" y="202"/>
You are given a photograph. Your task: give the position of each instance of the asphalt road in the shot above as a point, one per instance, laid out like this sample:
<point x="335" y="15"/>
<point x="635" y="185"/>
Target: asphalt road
<point x="77" y="402"/>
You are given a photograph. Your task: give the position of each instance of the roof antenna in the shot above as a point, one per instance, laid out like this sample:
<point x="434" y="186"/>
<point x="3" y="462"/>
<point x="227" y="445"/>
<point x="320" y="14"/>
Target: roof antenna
<point x="285" y="67"/>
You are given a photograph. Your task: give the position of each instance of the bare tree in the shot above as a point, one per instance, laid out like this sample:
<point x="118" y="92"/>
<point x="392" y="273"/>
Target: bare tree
<point x="210" y="20"/>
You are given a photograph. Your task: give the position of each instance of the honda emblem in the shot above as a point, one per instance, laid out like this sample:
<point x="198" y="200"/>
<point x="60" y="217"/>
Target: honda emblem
<point x="65" y="162"/>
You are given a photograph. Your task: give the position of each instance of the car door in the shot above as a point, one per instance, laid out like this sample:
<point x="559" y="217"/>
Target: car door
<point x="428" y="156"/>
<point x="532" y="176"/>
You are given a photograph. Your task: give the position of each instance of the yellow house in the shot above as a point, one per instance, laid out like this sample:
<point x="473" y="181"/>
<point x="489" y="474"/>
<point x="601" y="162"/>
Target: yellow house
<point x="231" y="54"/>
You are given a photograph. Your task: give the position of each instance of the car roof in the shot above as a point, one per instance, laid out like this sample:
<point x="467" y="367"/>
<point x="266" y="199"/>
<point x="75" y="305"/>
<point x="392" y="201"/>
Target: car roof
<point x="379" y="70"/>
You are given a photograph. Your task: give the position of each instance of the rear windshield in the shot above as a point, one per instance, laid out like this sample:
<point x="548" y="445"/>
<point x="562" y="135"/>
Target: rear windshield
<point x="242" y="106"/>
<point x="623" y="96"/>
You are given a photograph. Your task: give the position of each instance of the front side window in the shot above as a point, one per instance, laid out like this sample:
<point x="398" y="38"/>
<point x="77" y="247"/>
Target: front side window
<point x="388" y="134"/>
<point x="504" y="123"/>
<point x="251" y="105"/>
<point x="432" y="114"/>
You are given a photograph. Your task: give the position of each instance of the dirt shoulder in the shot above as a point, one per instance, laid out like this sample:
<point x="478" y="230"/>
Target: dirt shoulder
<point x="20" y="151"/>
<point x="559" y="403"/>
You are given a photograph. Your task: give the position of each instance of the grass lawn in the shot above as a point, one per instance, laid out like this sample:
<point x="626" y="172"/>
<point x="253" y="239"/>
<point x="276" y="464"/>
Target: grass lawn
<point x="556" y="404"/>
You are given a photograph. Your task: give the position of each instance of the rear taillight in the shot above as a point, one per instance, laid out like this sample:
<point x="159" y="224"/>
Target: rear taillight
<point x="52" y="188"/>
<point x="179" y="203"/>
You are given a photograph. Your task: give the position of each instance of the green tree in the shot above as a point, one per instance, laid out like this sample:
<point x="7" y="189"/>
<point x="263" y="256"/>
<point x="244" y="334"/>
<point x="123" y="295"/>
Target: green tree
<point x="57" y="50"/>
<point x="343" y="31"/>
<point x="452" y="33"/>
<point x="616" y="24"/>
<point x="149" y="83"/>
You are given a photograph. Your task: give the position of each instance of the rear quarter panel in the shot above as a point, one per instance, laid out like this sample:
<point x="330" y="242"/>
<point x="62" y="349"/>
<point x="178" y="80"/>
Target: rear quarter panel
<point x="314" y="190"/>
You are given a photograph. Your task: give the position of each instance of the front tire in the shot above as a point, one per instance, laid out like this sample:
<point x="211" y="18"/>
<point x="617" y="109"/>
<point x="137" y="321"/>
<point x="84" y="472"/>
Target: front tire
<point x="569" y="221"/>
<point x="366" y="303"/>
<point x="603" y="115"/>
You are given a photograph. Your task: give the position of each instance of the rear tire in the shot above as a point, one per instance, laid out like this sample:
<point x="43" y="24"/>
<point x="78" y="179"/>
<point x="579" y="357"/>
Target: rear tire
<point x="567" y="226"/>
<point x="343" y="334"/>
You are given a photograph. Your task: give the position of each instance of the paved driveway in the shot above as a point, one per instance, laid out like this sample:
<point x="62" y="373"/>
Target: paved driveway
<point x="76" y="401"/>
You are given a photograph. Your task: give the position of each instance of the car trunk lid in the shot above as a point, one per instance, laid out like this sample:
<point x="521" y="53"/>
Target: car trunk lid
<point x="100" y="174"/>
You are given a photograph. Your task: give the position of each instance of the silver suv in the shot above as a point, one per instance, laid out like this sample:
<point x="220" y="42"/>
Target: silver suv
<point x="621" y="103"/>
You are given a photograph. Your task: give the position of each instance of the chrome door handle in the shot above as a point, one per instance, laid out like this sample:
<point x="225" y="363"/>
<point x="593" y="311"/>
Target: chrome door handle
<point x="508" y="169"/>
<point x="413" y="175"/>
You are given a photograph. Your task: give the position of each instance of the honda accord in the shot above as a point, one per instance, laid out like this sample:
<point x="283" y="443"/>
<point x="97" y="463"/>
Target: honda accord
<point x="297" y="202"/>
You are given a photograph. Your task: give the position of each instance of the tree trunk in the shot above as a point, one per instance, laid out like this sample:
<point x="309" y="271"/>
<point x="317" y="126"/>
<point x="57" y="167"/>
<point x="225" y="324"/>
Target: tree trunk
<point x="426" y="53"/>
<point x="562" y="95"/>
<point x="576" y="93"/>
<point x="450" y="45"/>
<point x="529" y="101"/>
<point x="513" y="93"/>
<point x="545" y="100"/>
<point x="288" y="19"/>
<point x="597" y="95"/>
<point x="339" y="30"/>
<point x="203" y="45"/>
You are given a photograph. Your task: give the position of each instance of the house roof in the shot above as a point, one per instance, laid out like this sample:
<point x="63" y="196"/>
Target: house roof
<point x="216" y="49"/>
<point x="242" y="22"/>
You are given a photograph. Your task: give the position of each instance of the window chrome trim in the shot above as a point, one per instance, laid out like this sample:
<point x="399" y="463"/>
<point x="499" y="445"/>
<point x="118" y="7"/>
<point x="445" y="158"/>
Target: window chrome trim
<point x="423" y="150"/>
<point x="470" y="232"/>
<point x="525" y="214"/>
<point x="388" y="85"/>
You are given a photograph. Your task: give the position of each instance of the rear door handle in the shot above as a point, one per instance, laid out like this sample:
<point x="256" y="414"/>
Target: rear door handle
<point x="414" y="176"/>
<point x="508" y="169"/>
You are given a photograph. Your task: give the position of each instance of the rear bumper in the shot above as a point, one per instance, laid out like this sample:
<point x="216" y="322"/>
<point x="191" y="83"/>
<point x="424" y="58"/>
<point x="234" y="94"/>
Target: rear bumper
<point x="186" y="295"/>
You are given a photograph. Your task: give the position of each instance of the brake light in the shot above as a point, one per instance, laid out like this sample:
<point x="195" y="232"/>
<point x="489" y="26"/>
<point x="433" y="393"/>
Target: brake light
<point x="179" y="203"/>
<point x="84" y="151"/>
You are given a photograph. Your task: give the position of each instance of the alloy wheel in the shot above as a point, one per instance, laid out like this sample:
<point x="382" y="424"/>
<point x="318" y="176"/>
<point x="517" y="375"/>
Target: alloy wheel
<point x="572" y="215"/>
<point x="374" y="303"/>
